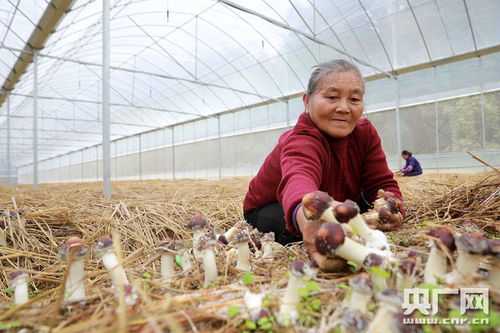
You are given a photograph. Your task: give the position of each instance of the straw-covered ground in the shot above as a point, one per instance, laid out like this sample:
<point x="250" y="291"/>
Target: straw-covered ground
<point x="141" y="213"/>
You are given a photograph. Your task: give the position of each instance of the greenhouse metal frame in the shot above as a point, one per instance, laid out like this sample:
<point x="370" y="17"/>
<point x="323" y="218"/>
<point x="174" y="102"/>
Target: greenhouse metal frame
<point x="120" y="90"/>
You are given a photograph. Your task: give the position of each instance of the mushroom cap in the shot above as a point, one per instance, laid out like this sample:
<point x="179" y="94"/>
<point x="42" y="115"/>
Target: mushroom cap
<point x="206" y="241"/>
<point x="197" y="222"/>
<point x="17" y="275"/>
<point x="407" y="266"/>
<point x="361" y="283"/>
<point x="268" y="237"/>
<point x="495" y="247"/>
<point x="222" y="240"/>
<point x="328" y="238"/>
<point x="315" y="203"/>
<point x="170" y="245"/>
<point x="241" y="237"/>
<point x="297" y="268"/>
<point x="380" y="193"/>
<point x="345" y="211"/>
<point x="389" y="219"/>
<point x="445" y="235"/>
<point x="473" y="242"/>
<point x="103" y="244"/>
<point x="390" y="296"/>
<point x="394" y="204"/>
<point x="75" y="246"/>
<point x="385" y="215"/>
<point x="373" y="260"/>
<point x="3" y="223"/>
<point x="354" y="320"/>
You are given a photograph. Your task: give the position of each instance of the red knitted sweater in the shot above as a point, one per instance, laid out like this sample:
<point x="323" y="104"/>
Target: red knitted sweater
<point x="306" y="160"/>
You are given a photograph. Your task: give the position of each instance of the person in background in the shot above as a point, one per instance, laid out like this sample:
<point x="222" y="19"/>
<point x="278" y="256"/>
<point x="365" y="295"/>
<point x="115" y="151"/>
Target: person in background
<point x="412" y="166"/>
<point x="331" y="149"/>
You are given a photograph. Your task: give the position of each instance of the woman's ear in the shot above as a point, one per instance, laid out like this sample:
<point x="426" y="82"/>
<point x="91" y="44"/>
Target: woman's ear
<point x="305" y="100"/>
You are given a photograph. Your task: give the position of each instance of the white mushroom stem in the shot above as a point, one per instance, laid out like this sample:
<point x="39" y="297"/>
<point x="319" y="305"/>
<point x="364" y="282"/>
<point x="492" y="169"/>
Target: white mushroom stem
<point x="268" y="250"/>
<point x="359" y="301"/>
<point x="243" y="257"/>
<point x="167" y="264"/>
<point x="187" y="264"/>
<point x="196" y="237"/>
<point x="382" y="323"/>
<point x="229" y="234"/>
<point x="21" y="291"/>
<point x="291" y="298"/>
<point x="375" y="237"/>
<point x="75" y="288"/>
<point x="379" y="282"/>
<point x="115" y="270"/>
<point x="352" y="251"/>
<point x="209" y="266"/>
<point x="436" y="266"/>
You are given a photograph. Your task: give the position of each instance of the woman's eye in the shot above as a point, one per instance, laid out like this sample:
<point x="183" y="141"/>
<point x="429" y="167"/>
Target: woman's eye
<point x="332" y="97"/>
<point x="356" y="100"/>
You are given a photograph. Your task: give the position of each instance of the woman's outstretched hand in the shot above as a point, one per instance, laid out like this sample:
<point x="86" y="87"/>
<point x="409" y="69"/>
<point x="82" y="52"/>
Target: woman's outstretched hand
<point x="308" y="228"/>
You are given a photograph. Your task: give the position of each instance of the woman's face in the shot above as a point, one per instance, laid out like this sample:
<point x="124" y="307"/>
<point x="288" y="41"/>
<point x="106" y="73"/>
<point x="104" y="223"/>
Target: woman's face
<point x="337" y="104"/>
<point x="405" y="156"/>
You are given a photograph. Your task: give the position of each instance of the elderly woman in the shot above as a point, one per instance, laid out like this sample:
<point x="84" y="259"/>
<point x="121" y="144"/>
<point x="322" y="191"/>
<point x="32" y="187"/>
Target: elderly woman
<point x="331" y="149"/>
<point x="412" y="166"/>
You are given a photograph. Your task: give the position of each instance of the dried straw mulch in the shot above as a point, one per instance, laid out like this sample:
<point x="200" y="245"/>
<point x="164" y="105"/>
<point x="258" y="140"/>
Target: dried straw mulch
<point x="144" y="212"/>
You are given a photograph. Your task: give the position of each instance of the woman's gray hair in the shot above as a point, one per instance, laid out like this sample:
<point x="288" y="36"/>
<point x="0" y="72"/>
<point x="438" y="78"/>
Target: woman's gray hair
<point x="327" y="68"/>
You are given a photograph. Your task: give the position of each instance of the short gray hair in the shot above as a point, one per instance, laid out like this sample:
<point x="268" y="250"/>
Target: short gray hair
<point x="327" y="68"/>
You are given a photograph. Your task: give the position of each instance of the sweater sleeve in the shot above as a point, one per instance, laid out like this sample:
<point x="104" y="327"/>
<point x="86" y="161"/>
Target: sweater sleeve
<point x="376" y="173"/>
<point x="302" y="161"/>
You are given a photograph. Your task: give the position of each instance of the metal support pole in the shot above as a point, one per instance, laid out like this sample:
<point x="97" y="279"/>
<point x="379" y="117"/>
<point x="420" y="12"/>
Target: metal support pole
<point x="106" y="161"/>
<point x="481" y="98"/>
<point x="140" y="157"/>
<point x="219" y="146"/>
<point x="81" y="164"/>
<point x="173" y="154"/>
<point x="398" y="124"/>
<point x="436" y="117"/>
<point x="9" y="180"/>
<point x="288" y="113"/>
<point x="35" y="120"/>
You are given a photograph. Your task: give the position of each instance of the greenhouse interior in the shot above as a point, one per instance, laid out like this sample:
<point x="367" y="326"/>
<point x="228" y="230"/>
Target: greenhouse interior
<point x="126" y="118"/>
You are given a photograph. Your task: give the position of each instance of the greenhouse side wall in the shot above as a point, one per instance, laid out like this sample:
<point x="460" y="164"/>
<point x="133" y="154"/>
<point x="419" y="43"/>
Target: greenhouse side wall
<point x="441" y="116"/>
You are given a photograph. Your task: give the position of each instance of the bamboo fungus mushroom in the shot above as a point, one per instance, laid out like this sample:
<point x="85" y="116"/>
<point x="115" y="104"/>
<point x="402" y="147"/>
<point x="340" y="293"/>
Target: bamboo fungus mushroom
<point x="267" y="244"/>
<point x="241" y="240"/>
<point x="206" y="243"/>
<point x="348" y="212"/>
<point x="73" y="252"/>
<point x="288" y="310"/>
<point x="375" y="264"/>
<point x="168" y="249"/>
<point x="437" y="263"/>
<point x="470" y="247"/>
<point x="330" y="240"/>
<point x="104" y="248"/>
<point x="198" y="225"/>
<point x="362" y="290"/>
<point x="382" y="198"/>
<point x="318" y="206"/>
<point x="406" y="274"/>
<point x="229" y="234"/>
<point x="390" y="304"/>
<point x="19" y="282"/>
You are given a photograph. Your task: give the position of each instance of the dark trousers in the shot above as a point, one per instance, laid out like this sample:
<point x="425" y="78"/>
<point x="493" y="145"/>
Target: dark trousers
<point x="272" y="218"/>
<point x="413" y="173"/>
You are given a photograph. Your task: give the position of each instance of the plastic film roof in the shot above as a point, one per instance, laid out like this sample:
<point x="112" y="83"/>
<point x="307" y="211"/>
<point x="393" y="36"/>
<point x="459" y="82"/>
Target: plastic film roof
<point x="174" y="60"/>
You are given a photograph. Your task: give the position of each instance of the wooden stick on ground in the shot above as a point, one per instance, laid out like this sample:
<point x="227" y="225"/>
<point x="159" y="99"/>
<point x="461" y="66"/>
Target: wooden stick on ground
<point x="474" y="156"/>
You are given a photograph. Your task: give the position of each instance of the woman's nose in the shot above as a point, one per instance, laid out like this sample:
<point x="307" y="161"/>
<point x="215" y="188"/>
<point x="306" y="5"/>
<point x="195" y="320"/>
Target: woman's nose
<point x="342" y="106"/>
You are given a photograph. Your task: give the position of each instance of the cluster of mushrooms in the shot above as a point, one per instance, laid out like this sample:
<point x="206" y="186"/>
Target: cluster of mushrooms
<point x="245" y="239"/>
<point x="454" y="260"/>
<point x="344" y="233"/>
